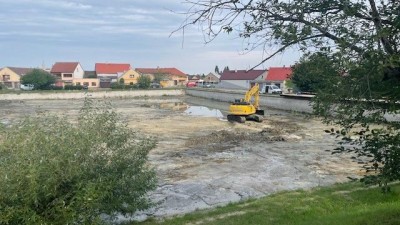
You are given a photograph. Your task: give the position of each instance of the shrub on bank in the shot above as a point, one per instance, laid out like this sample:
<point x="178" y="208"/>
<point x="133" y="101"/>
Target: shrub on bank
<point x="117" y="86"/>
<point x="52" y="88"/>
<point x="58" y="172"/>
<point x="73" y="87"/>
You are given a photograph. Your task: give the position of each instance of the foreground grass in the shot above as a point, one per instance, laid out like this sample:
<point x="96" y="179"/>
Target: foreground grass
<point x="349" y="203"/>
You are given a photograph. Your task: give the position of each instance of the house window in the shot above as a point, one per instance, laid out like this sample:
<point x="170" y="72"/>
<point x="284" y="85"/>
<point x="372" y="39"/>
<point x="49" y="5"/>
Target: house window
<point x="8" y="84"/>
<point x="86" y="84"/>
<point x="68" y="75"/>
<point x="78" y="83"/>
<point x="6" y="77"/>
<point x="131" y="76"/>
<point x="94" y="84"/>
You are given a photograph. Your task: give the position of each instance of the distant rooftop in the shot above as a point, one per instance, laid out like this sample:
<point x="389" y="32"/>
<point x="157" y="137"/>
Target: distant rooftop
<point x="241" y="74"/>
<point x="279" y="73"/>
<point x="111" y="68"/>
<point x="64" y="67"/>
<point x="21" y="70"/>
<point x="171" y="71"/>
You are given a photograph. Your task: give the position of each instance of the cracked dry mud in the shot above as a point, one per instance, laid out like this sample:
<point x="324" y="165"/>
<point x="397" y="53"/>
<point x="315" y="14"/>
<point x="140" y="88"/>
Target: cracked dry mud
<point x="203" y="162"/>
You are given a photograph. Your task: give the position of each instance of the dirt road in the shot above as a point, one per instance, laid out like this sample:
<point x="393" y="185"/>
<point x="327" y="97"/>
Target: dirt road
<point x="204" y="161"/>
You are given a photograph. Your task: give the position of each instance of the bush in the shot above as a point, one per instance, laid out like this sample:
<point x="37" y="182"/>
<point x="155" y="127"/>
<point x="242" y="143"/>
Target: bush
<point x="144" y="82"/>
<point x="73" y="87"/>
<point x="52" y="88"/>
<point x="117" y="86"/>
<point x="135" y="86"/>
<point x="40" y="79"/>
<point x="56" y="88"/>
<point x="58" y="172"/>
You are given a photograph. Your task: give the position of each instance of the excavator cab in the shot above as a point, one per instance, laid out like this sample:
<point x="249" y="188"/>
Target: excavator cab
<point x="246" y="109"/>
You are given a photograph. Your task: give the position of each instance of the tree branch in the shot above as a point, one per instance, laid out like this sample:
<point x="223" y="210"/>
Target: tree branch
<point x="378" y="24"/>
<point x="323" y="31"/>
<point x="285" y="47"/>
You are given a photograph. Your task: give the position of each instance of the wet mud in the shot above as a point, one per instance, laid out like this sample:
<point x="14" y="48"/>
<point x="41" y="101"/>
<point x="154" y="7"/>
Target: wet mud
<point x="204" y="161"/>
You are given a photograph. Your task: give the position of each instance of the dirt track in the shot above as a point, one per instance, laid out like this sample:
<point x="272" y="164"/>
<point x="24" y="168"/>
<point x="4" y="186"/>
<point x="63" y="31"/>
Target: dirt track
<point x="203" y="161"/>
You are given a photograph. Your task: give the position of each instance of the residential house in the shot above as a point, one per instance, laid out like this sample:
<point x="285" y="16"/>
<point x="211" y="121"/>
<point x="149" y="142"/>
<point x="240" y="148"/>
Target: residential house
<point x="90" y="74"/>
<point x="279" y="76"/>
<point x="241" y="79"/>
<point x="11" y="76"/>
<point x="130" y="77"/>
<point x="194" y="78"/>
<point x="109" y="72"/>
<point x="88" y="82"/>
<point x="212" y="78"/>
<point x="66" y="72"/>
<point x="168" y="77"/>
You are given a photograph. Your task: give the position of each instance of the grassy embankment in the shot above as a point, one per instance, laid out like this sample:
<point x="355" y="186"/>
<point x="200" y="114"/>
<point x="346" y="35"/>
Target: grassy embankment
<point x="342" y="204"/>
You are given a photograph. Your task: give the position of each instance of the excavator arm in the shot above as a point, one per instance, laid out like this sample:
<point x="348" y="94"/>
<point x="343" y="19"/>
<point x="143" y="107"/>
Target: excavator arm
<point x="254" y="91"/>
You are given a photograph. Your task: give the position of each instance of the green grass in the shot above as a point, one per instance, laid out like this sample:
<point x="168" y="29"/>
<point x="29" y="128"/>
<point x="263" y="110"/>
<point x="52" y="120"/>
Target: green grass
<point x="349" y="203"/>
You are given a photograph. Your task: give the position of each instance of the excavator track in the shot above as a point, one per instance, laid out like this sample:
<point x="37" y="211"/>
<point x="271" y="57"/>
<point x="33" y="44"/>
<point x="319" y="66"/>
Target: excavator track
<point x="234" y="118"/>
<point x="255" y="117"/>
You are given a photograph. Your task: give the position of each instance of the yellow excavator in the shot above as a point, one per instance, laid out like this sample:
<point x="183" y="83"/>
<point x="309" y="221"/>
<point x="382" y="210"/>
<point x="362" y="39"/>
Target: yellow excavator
<point x="246" y="109"/>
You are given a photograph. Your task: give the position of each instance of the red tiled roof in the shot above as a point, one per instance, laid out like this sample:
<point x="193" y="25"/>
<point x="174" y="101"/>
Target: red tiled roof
<point x="112" y="68"/>
<point x="241" y="74"/>
<point x="171" y="71"/>
<point x="20" y="71"/>
<point x="64" y="67"/>
<point x="279" y="73"/>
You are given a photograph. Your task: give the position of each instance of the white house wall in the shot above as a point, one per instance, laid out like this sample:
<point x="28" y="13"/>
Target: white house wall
<point x="262" y="77"/>
<point x="107" y="75"/>
<point x="234" y="84"/>
<point x="78" y="73"/>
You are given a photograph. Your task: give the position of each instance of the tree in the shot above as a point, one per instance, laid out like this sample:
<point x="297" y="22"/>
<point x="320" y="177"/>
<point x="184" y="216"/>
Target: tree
<point x="158" y="77"/>
<point x="39" y="78"/>
<point x="56" y="171"/>
<point x="363" y="34"/>
<point x="122" y="81"/>
<point x="349" y="26"/>
<point x="216" y="70"/>
<point x="315" y="73"/>
<point x="144" y="82"/>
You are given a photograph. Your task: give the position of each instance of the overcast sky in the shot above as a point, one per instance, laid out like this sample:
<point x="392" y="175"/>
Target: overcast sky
<point x="40" y="32"/>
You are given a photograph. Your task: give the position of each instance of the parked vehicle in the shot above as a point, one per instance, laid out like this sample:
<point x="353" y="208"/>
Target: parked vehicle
<point x="207" y="86"/>
<point x="155" y="85"/>
<point x="272" y="89"/>
<point x="191" y="84"/>
<point x="27" y="87"/>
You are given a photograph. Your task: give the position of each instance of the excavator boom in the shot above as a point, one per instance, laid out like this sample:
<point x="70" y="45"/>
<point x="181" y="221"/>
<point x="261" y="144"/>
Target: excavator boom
<point x="254" y="91"/>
